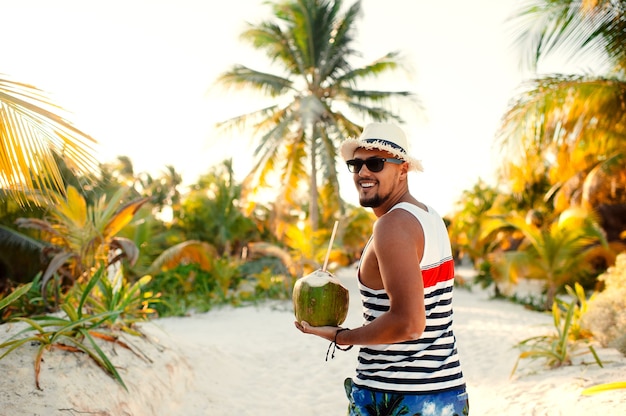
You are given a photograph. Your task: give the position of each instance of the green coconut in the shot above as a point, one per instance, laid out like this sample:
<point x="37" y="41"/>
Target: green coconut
<point x="320" y="299"/>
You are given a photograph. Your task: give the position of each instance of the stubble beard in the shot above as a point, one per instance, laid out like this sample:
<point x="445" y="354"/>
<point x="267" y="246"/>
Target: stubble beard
<point x="374" y="201"/>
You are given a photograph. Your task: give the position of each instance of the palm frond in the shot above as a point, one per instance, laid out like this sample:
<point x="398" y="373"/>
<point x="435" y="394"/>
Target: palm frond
<point x="242" y="77"/>
<point x="13" y="238"/>
<point x="33" y="130"/>
<point x="573" y="30"/>
<point x="559" y="114"/>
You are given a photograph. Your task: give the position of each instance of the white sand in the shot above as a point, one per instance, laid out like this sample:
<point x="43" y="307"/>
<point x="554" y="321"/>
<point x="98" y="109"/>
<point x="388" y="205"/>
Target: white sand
<point x="252" y="361"/>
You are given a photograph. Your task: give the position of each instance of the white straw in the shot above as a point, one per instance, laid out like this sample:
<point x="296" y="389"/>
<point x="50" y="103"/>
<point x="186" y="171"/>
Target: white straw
<point x="330" y="245"/>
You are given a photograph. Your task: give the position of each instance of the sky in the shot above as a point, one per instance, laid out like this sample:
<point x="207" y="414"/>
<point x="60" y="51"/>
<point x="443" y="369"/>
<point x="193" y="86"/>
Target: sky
<point x="138" y="76"/>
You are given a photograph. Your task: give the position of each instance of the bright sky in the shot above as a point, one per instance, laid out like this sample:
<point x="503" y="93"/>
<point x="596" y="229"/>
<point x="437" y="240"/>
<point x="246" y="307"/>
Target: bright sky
<point x="136" y="75"/>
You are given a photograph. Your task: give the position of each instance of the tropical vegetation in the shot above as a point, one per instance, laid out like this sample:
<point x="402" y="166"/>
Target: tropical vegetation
<point x="88" y="250"/>
<point x="34" y="132"/>
<point x="560" y="347"/>
<point x="562" y="142"/>
<point x="568" y="129"/>
<point x="554" y="254"/>
<point x="557" y="215"/>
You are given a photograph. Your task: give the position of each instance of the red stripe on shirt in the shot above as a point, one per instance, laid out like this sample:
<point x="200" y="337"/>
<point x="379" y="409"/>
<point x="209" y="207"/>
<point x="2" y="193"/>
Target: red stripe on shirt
<point x="441" y="273"/>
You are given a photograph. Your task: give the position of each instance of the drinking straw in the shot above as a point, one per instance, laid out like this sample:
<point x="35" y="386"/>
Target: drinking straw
<point x="330" y="245"/>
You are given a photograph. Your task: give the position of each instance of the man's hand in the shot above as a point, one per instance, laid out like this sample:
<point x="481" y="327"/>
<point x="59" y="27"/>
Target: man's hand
<point x="326" y="332"/>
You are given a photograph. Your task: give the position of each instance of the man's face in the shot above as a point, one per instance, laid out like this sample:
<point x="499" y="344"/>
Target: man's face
<point x="375" y="188"/>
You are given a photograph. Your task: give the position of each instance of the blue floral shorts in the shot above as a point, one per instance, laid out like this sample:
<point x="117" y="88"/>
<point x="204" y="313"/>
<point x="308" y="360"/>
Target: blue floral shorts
<point x="364" y="402"/>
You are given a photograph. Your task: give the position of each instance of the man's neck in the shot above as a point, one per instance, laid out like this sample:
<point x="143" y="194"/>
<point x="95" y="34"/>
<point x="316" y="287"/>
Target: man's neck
<point x="391" y="202"/>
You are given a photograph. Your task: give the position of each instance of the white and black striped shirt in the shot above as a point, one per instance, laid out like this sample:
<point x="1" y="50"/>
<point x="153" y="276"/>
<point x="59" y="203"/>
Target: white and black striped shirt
<point x="429" y="364"/>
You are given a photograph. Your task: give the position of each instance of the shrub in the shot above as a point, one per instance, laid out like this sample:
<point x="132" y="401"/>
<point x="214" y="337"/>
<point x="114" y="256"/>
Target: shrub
<point x="558" y="348"/>
<point x="606" y="314"/>
<point x="88" y="313"/>
<point x="183" y="289"/>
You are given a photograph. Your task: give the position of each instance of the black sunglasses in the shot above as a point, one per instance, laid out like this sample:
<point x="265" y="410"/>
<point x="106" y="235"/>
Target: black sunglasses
<point x="374" y="164"/>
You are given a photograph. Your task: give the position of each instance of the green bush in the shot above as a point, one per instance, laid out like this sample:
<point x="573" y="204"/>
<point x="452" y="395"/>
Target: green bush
<point x="606" y="314"/>
<point x="189" y="288"/>
<point x="265" y="278"/>
<point x="558" y="348"/>
<point x="184" y="289"/>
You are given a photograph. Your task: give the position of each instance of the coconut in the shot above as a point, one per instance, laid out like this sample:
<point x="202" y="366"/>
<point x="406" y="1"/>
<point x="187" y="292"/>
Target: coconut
<point x="320" y="299"/>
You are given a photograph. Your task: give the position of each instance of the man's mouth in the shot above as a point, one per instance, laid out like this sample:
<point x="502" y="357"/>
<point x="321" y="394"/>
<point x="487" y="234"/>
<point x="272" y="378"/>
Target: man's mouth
<point x="367" y="184"/>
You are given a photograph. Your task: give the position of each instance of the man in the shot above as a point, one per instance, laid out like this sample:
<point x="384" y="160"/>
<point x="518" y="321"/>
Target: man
<point x="408" y="357"/>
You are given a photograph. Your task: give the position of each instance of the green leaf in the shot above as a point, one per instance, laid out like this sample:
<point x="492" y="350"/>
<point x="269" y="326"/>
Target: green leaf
<point x="87" y="290"/>
<point x="100" y="357"/>
<point x="13" y="296"/>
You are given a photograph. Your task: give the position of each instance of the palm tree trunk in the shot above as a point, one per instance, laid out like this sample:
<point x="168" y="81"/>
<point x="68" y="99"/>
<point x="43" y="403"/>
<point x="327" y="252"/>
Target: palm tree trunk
<point x="550" y="295"/>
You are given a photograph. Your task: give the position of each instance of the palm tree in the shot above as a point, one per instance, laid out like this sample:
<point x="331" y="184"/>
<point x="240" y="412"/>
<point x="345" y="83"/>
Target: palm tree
<point x="563" y="125"/>
<point x="33" y="131"/>
<point x="553" y="253"/>
<point x="316" y="97"/>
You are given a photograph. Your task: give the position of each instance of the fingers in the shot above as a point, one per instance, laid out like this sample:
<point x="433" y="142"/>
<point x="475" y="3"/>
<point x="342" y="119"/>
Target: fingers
<point x="327" y="332"/>
<point x="302" y="326"/>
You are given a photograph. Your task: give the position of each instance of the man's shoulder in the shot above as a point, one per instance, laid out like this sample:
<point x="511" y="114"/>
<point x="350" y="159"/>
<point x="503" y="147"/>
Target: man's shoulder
<point x="397" y="222"/>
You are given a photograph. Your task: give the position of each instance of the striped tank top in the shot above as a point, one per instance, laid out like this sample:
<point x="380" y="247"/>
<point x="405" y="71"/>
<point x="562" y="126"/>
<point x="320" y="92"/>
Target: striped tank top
<point x="429" y="364"/>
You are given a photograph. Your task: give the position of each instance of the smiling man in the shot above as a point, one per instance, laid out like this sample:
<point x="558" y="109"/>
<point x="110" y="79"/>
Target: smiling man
<point x="408" y="356"/>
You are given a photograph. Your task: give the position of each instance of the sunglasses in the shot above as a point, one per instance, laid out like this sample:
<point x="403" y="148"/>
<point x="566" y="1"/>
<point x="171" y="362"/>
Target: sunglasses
<point x="374" y="164"/>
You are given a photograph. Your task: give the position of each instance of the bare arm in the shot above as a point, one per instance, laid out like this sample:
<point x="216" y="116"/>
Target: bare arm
<point x="393" y="259"/>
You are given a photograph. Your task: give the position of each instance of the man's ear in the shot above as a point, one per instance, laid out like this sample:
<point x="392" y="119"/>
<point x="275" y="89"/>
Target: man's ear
<point x="404" y="170"/>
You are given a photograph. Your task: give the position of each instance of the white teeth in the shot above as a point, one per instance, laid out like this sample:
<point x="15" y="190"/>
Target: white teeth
<point x="367" y="184"/>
